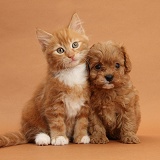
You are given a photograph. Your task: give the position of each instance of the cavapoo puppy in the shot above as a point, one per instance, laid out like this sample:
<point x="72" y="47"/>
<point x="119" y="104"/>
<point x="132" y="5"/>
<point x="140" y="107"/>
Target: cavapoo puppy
<point x="114" y="100"/>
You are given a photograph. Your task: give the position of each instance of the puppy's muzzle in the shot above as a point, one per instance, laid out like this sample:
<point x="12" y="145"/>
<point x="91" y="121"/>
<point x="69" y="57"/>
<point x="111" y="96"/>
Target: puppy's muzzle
<point x="109" y="77"/>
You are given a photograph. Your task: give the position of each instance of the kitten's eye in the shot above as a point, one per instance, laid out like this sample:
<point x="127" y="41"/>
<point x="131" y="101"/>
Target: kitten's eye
<point x="117" y="65"/>
<point x="60" y="50"/>
<point x="75" y="45"/>
<point x="98" y="66"/>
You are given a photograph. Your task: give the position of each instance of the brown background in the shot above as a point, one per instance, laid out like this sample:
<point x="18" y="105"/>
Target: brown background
<point x="135" y="23"/>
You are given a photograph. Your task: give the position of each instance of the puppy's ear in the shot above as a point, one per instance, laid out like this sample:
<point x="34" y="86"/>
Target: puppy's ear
<point x="127" y="62"/>
<point x="92" y="46"/>
<point x="89" y="57"/>
<point x="87" y="64"/>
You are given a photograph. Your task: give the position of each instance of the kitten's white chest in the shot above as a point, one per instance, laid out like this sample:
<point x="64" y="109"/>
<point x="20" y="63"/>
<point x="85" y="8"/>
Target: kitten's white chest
<point x="73" y="76"/>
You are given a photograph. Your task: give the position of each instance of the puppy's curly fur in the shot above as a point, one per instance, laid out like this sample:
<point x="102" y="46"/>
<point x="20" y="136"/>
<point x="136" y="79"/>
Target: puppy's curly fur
<point x="114" y="101"/>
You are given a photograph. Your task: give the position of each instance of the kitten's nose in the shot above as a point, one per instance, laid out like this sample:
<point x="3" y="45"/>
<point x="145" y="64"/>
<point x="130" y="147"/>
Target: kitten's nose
<point x="71" y="56"/>
<point x="109" y="77"/>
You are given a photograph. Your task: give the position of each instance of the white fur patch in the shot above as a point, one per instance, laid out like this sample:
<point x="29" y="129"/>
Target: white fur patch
<point x="42" y="139"/>
<point x="76" y="76"/>
<point x="60" y="141"/>
<point x="73" y="76"/>
<point x="85" y="139"/>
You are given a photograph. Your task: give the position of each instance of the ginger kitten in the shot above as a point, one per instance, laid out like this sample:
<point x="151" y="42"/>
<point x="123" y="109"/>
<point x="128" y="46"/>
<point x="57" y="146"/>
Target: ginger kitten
<point x="58" y="111"/>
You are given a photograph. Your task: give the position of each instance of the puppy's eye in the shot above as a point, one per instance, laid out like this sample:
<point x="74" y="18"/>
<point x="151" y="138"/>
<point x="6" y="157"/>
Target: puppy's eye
<point x="98" y="66"/>
<point x="75" y="45"/>
<point x="117" y="65"/>
<point x="60" y="50"/>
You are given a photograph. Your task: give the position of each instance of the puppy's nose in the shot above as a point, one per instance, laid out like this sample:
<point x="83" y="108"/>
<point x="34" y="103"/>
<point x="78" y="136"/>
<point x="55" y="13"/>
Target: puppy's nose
<point x="109" y="77"/>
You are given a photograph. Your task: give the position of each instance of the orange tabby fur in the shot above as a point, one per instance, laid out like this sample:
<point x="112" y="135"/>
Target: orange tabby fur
<point x="58" y="111"/>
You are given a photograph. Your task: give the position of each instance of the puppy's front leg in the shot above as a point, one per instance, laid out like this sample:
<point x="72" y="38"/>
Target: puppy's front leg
<point x="97" y="129"/>
<point x="81" y="126"/>
<point x="109" y="116"/>
<point x="129" y="127"/>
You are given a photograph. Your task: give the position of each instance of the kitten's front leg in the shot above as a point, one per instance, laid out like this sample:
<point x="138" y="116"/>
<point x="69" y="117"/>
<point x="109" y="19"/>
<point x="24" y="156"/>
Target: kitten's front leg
<point x="55" y="117"/>
<point x="81" y="126"/>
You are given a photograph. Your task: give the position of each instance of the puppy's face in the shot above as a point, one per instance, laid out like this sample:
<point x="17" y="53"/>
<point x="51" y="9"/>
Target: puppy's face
<point x="109" y="65"/>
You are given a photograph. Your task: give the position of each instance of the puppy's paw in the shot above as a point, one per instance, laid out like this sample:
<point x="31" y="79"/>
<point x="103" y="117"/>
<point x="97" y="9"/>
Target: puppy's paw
<point x="132" y="139"/>
<point x="99" y="139"/>
<point x="60" y="141"/>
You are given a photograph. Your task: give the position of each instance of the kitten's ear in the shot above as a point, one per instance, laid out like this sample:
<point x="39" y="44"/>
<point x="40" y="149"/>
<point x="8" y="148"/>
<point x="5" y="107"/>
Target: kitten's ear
<point x="76" y="24"/>
<point x="44" y="38"/>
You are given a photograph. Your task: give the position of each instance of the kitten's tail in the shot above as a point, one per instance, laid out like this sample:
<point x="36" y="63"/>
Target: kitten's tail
<point x="11" y="139"/>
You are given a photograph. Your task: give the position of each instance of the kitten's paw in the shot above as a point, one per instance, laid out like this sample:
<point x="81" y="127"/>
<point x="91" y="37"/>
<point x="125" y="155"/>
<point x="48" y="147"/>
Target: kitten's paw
<point x="42" y="139"/>
<point x="85" y="139"/>
<point x="60" y="141"/>
<point x="99" y="139"/>
<point x="133" y="139"/>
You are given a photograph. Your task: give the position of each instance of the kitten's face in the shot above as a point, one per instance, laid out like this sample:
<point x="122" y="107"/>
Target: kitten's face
<point x="65" y="48"/>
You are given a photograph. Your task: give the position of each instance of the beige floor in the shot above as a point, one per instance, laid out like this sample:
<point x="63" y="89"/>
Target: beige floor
<point x="135" y="23"/>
